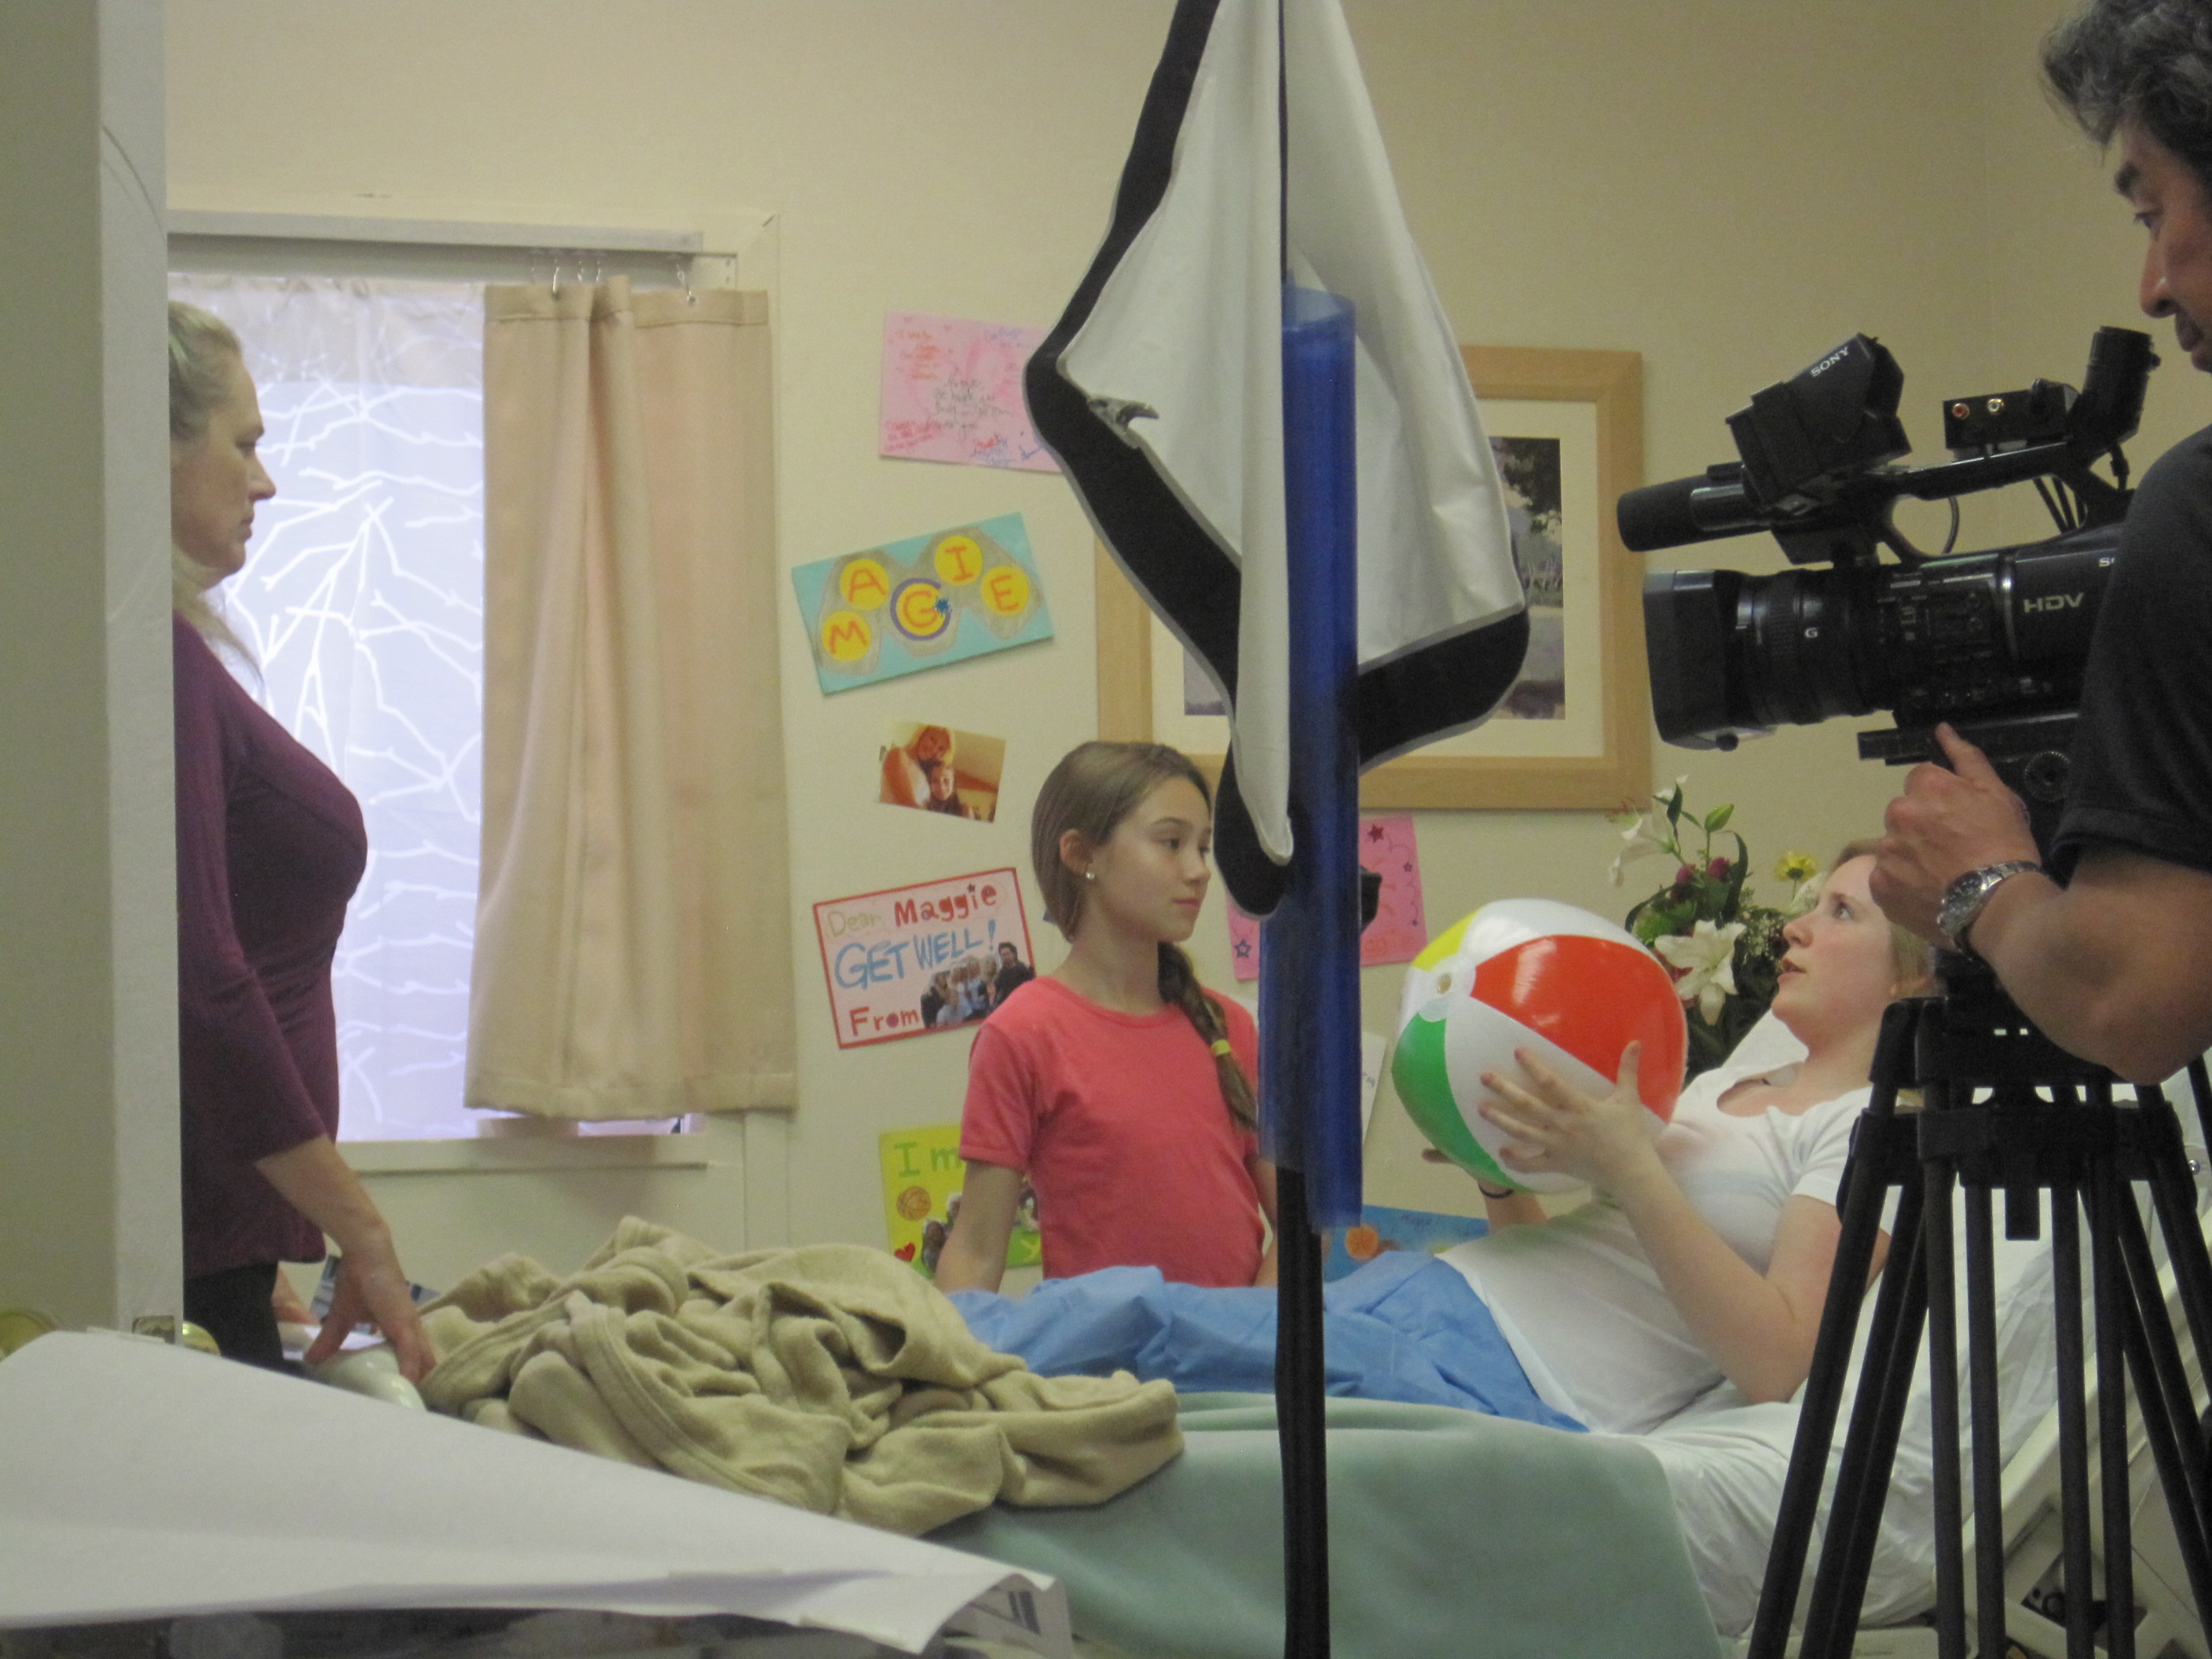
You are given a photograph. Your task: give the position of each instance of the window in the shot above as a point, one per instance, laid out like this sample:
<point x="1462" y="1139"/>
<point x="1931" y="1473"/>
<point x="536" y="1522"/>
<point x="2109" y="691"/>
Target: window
<point x="363" y="600"/>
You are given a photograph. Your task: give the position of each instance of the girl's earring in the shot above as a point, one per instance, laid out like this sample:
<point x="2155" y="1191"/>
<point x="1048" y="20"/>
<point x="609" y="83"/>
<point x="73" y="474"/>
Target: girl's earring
<point x="1090" y="875"/>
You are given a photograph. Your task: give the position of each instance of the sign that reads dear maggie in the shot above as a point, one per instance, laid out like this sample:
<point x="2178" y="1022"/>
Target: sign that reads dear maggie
<point x="928" y="957"/>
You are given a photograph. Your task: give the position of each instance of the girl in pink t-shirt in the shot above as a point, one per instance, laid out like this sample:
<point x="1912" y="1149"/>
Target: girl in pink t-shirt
<point x="1115" y="1086"/>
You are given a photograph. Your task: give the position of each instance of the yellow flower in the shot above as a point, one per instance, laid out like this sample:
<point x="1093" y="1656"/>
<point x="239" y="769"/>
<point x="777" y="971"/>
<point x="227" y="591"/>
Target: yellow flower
<point x="1797" y="867"/>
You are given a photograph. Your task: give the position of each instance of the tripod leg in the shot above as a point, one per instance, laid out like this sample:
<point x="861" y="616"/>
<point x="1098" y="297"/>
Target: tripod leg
<point x="1303" y="1430"/>
<point x="2169" y="1412"/>
<point x="1943" y="1415"/>
<point x="2175" y="1195"/>
<point x="1870" y="1447"/>
<point x="2105" y="1200"/>
<point x="2072" y="1440"/>
<point x="2200" y="1090"/>
<point x="1988" y="1466"/>
<point x="1864" y="1188"/>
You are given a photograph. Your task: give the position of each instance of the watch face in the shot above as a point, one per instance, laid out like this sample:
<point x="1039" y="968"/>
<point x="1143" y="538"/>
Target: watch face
<point x="1961" y="903"/>
<point x="1964" y="899"/>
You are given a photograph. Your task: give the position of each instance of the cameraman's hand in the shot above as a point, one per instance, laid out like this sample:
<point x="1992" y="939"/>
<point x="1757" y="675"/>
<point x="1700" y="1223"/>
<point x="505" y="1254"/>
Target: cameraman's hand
<point x="1946" y="824"/>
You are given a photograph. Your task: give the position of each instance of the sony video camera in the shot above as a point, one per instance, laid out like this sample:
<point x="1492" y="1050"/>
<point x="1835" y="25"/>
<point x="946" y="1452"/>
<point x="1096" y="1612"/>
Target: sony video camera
<point x="1992" y="640"/>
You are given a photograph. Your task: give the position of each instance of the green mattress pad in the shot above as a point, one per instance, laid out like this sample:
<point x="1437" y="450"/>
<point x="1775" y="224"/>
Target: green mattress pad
<point x="1451" y="1534"/>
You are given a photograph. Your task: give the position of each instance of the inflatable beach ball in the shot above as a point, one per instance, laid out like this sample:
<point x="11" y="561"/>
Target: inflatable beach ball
<point x="1568" y="986"/>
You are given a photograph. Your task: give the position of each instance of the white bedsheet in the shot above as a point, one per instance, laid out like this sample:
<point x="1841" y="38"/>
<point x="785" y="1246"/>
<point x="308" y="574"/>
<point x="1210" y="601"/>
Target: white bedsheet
<point x="1725" y="1460"/>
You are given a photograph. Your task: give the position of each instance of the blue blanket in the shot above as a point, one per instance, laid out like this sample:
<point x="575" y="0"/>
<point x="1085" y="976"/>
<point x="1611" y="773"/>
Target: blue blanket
<point x="1406" y="1327"/>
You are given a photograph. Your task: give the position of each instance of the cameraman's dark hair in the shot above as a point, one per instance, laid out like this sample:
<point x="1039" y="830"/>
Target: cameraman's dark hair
<point x="2145" y="63"/>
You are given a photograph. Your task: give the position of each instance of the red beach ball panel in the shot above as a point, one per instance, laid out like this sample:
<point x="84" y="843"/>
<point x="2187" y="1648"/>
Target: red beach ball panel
<point x="1594" y="997"/>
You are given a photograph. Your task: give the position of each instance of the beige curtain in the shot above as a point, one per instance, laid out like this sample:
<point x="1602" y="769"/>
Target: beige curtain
<point x="633" y="936"/>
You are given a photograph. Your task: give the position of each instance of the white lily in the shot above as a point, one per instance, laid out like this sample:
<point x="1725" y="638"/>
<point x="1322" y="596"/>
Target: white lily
<point x="1643" y="840"/>
<point x="1707" y="957"/>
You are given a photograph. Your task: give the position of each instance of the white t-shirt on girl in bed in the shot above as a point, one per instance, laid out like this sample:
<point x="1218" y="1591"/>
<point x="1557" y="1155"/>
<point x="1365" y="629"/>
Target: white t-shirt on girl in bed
<point x="1582" y="1306"/>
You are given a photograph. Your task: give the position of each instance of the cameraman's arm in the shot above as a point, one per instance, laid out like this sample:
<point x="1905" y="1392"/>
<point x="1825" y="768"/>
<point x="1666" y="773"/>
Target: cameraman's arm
<point x="2117" y="967"/>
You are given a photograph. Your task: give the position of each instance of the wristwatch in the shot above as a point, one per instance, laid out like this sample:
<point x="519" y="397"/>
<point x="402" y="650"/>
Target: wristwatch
<point x="1964" y="898"/>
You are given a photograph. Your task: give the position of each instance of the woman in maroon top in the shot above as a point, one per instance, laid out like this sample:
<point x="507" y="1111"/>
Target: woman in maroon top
<point x="269" y="846"/>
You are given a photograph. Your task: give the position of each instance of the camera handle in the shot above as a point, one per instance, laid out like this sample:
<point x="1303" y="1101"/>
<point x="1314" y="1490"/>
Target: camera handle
<point x="2029" y="752"/>
<point x="1966" y="1041"/>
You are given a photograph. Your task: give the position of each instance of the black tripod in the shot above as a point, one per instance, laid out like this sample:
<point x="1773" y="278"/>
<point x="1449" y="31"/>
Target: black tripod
<point x="2004" y="1110"/>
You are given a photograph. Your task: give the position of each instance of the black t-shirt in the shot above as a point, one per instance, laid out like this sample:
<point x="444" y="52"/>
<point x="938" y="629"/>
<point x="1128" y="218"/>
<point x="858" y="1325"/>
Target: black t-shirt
<point x="2141" y="775"/>
<point x="1012" y="974"/>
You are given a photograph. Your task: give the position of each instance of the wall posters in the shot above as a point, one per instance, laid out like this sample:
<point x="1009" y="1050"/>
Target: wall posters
<point x="1400" y="929"/>
<point x="923" y="1174"/>
<point x="952" y="391"/>
<point x="921" y="603"/>
<point x="905" y="960"/>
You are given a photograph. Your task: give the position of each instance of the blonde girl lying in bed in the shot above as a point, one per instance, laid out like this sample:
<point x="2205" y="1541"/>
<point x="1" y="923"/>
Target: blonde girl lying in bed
<point x="1704" y="1253"/>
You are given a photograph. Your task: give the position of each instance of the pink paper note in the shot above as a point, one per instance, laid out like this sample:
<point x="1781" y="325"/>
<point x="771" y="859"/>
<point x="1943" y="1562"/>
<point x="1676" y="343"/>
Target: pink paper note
<point x="952" y="391"/>
<point x="1400" y="929"/>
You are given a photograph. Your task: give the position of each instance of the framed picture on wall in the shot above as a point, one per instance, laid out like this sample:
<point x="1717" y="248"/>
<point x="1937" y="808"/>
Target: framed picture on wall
<point x="1567" y="428"/>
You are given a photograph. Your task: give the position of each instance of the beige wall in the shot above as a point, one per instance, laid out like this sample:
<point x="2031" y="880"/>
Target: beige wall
<point x="1727" y="186"/>
<point x="89" y="1201"/>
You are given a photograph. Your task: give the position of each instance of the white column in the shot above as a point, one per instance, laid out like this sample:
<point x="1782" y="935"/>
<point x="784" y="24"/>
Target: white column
<point x="88" y="907"/>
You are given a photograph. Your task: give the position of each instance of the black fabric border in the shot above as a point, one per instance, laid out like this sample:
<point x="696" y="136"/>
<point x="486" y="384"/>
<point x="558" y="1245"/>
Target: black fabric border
<point x="1172" y="557"/>
<point x="1445" y="687"/>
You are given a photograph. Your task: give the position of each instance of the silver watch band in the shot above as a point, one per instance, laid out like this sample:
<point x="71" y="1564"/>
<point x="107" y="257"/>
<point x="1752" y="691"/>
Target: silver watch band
<point x="1965" y="899"/>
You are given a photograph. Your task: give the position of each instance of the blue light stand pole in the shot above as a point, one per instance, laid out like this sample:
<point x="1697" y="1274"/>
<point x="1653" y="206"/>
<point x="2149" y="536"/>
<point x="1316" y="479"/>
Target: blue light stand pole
<point x="1309" y="960"/>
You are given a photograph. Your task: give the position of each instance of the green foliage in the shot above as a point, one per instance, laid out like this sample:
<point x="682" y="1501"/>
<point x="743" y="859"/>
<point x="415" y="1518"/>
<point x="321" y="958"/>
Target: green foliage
<point x="1709" y="887"/>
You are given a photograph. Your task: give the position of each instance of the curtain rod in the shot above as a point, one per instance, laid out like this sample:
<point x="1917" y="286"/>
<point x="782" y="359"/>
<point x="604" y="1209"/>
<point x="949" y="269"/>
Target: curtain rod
<point x="447" y="233"/>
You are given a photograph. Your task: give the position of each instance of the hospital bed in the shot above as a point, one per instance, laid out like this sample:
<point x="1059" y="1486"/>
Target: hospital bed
<point x="1452" y="1533"/>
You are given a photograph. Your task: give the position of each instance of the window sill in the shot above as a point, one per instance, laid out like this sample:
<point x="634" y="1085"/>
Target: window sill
<point x="519" y="1154"/>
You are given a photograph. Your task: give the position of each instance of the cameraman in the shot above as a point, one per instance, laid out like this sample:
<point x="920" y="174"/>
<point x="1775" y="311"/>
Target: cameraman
<point x="2116" y="965"/>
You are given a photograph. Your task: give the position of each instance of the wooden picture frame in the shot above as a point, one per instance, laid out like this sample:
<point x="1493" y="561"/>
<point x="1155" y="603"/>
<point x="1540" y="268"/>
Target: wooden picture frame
<point x="1603" y="774"/>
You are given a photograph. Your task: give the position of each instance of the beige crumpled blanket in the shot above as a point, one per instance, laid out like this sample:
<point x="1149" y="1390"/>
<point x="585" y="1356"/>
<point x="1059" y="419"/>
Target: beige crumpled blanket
<point x="831" y="1377"/>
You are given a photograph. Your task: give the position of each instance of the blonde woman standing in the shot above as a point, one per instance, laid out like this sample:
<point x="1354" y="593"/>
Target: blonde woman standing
<point x="270" y="847"/>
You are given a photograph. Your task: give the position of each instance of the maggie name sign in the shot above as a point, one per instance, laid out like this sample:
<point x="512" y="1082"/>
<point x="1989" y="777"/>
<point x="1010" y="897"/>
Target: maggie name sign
<point x="908" y="960"/>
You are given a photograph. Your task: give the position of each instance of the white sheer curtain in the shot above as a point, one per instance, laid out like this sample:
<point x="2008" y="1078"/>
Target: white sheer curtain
<point x="363" y="598"/>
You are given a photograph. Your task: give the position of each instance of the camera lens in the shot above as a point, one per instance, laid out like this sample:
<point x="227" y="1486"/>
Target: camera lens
<point x="1979" y="635"/>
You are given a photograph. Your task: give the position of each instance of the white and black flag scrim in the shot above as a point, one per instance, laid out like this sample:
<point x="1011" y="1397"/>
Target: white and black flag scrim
<point x="1160" y="391"/>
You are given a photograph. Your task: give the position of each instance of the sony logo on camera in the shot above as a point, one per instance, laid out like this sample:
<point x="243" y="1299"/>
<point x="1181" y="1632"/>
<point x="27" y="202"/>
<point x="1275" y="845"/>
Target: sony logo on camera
<point x="1841" y="354"/>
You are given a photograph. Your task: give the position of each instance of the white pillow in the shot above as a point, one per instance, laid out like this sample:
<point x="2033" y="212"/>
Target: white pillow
<point x="1766" y="1045"/>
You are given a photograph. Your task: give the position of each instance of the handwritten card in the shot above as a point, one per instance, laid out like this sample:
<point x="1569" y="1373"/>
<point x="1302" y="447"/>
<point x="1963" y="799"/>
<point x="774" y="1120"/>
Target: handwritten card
<point x="1400" y="929"/>
<point x="904" y="961"/>
<point x="952" y="391"/>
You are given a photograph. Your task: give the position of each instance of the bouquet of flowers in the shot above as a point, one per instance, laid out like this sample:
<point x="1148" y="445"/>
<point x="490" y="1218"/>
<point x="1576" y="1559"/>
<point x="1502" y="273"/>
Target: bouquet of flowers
<point x="1722" y="946"/>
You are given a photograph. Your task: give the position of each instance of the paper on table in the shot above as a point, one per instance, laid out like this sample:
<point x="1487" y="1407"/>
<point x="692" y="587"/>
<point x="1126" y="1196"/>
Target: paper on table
<point x="140" y="1481"/>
